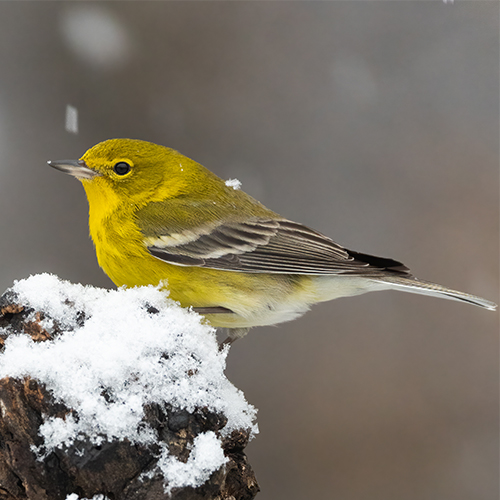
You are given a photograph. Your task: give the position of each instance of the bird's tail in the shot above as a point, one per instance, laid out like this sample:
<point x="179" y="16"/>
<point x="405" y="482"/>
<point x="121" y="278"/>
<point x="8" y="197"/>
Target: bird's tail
<point x="414" y="285"/>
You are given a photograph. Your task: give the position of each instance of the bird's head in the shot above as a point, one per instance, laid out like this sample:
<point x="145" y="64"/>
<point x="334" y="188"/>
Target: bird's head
<point x="132" y="171"/>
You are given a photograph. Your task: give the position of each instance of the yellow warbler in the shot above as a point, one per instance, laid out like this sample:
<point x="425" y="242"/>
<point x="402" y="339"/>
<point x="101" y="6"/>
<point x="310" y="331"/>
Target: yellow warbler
<point x="158" y="216"/>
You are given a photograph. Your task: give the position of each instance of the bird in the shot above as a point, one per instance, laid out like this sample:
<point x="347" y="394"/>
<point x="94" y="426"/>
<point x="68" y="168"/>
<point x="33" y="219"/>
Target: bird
<point x="157" y="217"/>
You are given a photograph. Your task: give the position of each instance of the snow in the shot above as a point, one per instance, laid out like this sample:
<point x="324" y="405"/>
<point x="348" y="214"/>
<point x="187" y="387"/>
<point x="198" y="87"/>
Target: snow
<point x="136" y="347"/>
<point x="234" y="183"/>
<point x="71" y="122"/>
<point x="206" y="456"/>
<point x="109" y="48"/>
<point x="74" y="496"/>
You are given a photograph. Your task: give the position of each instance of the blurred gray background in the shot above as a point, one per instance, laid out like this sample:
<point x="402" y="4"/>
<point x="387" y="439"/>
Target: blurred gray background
<point x="376" y="123"/>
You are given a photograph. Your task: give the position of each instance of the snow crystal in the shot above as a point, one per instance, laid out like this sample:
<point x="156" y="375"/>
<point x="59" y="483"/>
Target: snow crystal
<point x="71" y="124"/>
<point x="135" y="347"/>
<point x="234" y="183"/>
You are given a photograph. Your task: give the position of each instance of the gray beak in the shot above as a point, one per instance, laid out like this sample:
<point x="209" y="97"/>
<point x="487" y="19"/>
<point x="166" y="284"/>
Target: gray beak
<point x="76" y="168"/>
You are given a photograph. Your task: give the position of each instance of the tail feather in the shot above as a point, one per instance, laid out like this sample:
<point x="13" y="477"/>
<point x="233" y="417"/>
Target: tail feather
<point x="413" y="285"/>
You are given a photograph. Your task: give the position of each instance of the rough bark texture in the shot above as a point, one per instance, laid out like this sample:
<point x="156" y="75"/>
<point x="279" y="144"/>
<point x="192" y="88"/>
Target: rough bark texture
<point x="113" y="469"/>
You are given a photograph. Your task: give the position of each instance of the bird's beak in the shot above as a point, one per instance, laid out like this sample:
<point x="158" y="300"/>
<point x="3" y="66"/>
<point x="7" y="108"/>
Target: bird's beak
<point x="76" y="168"/>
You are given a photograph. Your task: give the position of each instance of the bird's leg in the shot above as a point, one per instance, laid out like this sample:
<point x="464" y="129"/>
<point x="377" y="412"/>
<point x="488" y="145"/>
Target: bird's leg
<point x="232" y="335"/>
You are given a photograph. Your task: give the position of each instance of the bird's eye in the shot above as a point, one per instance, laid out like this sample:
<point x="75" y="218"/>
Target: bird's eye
<point x="121" y="168"/>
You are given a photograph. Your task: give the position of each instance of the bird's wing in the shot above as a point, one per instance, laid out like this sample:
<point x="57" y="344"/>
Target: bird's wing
<point x="266" y="246"/>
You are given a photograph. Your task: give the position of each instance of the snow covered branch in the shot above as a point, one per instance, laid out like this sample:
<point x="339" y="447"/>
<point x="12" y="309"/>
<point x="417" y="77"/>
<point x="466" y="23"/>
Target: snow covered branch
<point x="115" y="394"/>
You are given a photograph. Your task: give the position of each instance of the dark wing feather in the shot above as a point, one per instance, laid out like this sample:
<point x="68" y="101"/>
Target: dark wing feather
<point x="271" y="246"/>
